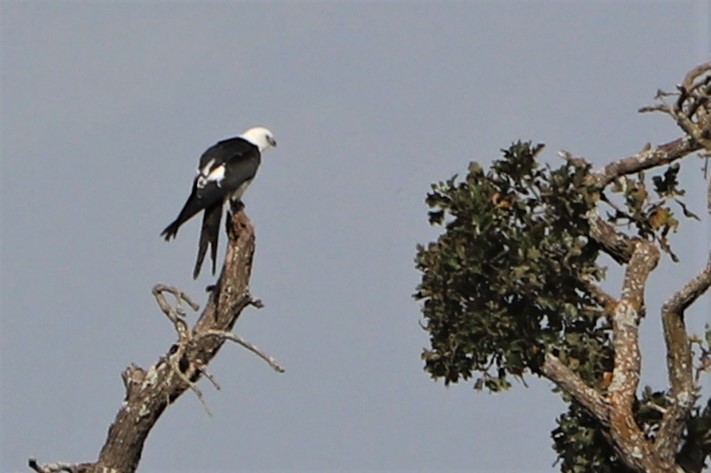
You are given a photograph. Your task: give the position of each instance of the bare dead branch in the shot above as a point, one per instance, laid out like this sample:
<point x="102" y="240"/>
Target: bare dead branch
<point x="172" y="312"/>
<point x="693" y="78"/>
<point x="57" y="467"/>
<point x="173" y="363"/>
<point x="691" y="114"/>
<point x="664" y="108"/>
<point x="691" y="108"/>
<point x="249" y="346"/>
<point x="211" y="378"/>
<point x="177" y="316"/>
<point x="682" y="394"/>
<point x="149" y="392"/>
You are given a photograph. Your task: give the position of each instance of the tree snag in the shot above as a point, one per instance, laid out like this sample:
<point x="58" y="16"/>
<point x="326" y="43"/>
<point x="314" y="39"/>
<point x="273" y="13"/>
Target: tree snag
<point x="150" y="391"/>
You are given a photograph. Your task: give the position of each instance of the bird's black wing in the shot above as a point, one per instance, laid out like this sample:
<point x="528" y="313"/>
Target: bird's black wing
<point x="222" y="169"/>
<point x="225" y="151"/>
<point x="236" y="171"/>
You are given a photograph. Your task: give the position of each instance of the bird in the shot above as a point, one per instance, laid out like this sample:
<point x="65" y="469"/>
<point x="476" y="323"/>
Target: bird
<point x="224" y="172"/>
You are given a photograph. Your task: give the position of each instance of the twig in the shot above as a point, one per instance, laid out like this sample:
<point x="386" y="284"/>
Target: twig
<point x="173" y="363"/>
<point x="664" y="108"/>
<point x="57" y="467"/>
<point x="690" y="110"/>
<point x="210" y="378"/>
<point x="690" y="82"/>
<point x="177" y="315"/>
<point x="180" y="297"/>
<point x="704" y="365"/>
<point x="249" y="346"/>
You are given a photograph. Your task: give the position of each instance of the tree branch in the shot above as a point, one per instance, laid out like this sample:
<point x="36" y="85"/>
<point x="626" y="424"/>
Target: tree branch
<point x="614" y="410"/>
<point x="647" y="158"/>
<point x="691" y="113"/>
<point x="682" y="394"/>
<point x="691" y="109"/>
<point x="58" y="467"/>
<point x="249" y="346"/>
<point x="616" y="244"/>
<point x="573" y="385"/>
<point x="149" y="392"/>
<point x="627" y="437"/>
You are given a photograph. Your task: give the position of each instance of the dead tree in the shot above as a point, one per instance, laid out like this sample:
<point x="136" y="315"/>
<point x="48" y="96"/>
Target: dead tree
<point x="150" y="391"/>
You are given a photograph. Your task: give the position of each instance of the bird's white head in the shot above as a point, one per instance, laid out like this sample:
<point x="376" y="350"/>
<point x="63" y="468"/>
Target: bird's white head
<point x="260" y="137"/>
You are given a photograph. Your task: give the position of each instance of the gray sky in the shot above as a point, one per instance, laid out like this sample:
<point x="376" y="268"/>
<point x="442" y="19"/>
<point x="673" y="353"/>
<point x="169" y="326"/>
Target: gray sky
<point x="106" y="108"/>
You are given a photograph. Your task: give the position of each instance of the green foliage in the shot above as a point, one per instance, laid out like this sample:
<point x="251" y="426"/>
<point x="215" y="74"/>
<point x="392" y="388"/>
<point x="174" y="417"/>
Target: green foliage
<point x="581" y="446"/>
<point x="652" y="217"/>
<point x="697" y="446"/>
<point x="507" y="280"/>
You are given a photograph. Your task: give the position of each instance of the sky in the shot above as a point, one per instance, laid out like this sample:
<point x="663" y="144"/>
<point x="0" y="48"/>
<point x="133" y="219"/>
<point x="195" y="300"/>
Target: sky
<point x="105" y="110"/>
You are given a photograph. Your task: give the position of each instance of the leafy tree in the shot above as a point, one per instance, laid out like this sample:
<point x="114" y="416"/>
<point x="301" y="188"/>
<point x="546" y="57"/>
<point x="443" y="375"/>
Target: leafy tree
<point x="513" y="286"/>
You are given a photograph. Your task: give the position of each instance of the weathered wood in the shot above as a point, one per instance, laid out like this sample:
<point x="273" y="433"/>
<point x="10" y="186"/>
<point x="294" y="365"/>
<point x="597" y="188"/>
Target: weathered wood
<point x="149" y="392"/>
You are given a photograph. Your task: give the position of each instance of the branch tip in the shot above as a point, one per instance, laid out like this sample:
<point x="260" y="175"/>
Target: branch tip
<point x="249" y="346"/>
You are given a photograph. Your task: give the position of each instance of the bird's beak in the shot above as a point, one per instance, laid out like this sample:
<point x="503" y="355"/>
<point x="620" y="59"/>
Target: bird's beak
<point x="272" y="142"/>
